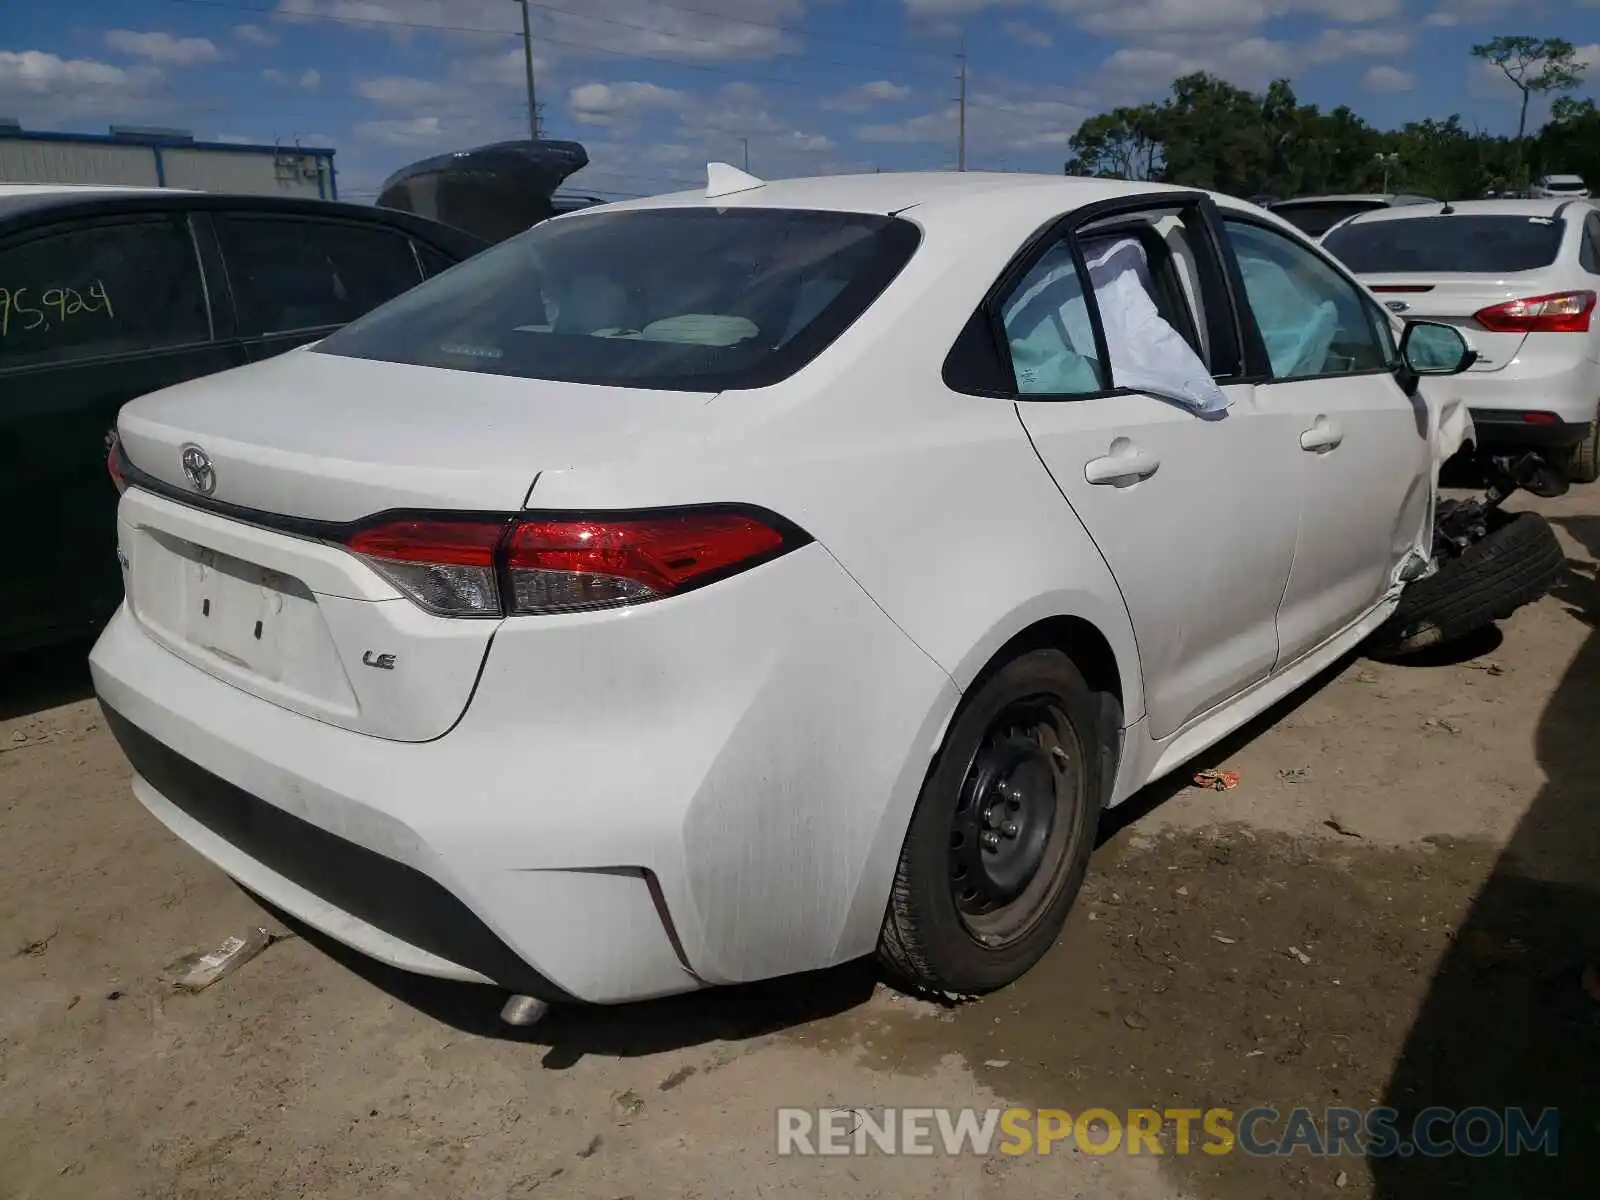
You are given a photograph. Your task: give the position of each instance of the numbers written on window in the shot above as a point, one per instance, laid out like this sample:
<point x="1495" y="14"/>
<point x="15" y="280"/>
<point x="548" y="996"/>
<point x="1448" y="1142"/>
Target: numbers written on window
<point x="1315" y="322"/>
<point x="290" y="274"/>
<point x="109" y="289"/>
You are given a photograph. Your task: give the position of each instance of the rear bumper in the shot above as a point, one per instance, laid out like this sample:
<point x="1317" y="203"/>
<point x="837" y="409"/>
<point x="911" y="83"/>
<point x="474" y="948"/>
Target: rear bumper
<point x="704" y="790"/>
<point x="1510" y="427"/>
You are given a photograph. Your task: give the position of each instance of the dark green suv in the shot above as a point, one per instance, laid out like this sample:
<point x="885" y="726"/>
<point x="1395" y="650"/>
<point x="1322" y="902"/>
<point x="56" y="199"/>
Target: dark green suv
<point x="106" y="294"/>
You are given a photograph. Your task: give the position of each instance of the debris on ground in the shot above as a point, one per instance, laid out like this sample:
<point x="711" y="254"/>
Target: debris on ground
<point x="1295" y="774"/>
<point x="1305" y="959"/>
<point x="1341" y="828"/>
<point x="1366" y="677"/>
<point x="195" y="972"/>
<point x="1441" y="724"/>
<point x="34" y="947"/>
<point x="1488" y="668"/>
<point x="1226" y="941"/>
<point x="1217" y="779"/>
<point x="1342" y="1178"/>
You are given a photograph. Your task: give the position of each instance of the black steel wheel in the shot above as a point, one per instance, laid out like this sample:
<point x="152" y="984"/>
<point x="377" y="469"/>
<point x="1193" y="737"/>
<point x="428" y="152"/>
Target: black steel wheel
<point x="1001" y="837"/>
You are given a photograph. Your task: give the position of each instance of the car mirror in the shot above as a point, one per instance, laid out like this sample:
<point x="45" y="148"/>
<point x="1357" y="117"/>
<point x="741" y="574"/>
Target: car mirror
<point x="1434" y="348"/>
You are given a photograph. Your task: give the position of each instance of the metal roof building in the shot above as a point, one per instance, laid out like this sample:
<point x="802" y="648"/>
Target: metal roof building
<point x="145" y="157"/>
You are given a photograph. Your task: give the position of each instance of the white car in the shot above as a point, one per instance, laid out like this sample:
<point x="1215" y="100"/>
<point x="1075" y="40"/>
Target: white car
<point x="1520" y="279"/>
<point x="1560" y="187"/>
<point x="1315" y="215"/>
<point x="721" y="585"/>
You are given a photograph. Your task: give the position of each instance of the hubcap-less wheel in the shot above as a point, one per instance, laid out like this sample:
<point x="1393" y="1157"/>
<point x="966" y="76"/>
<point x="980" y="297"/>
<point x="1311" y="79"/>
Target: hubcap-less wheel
<point x="1013" y="833"/>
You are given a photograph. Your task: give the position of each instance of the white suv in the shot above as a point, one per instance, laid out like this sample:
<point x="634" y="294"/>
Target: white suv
<point x="720" y="585"/>
<point x="1560" y="187"/>
<point x="1520" y="278"/>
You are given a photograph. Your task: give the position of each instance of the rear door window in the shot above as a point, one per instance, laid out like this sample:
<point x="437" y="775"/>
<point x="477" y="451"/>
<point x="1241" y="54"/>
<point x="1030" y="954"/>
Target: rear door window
<point x="1472" y="245"/>
<point x="291" y="274"/>
<point x="433" y="261"/>
<point x="99" y="290"/>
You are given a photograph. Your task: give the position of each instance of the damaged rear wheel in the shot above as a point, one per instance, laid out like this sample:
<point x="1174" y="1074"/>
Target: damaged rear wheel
<point x="1515" y="563"/>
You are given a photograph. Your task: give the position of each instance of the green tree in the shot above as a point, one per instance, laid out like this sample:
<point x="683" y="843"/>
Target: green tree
<point x="1124" y="143"/>
<point x="1535" y="66"/>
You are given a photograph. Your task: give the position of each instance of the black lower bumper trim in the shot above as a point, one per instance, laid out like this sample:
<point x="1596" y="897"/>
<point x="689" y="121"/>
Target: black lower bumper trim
<point x="1505" y="427"/>
<point x="386" y="894"/>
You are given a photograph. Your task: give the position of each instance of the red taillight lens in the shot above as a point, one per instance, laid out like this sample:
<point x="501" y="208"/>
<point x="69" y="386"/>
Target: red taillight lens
<point x="447" y="567"/>
<point x="559" y="564"/>
<point x="114" y="463"/>
<point x="570" y="565"/>
<point x="1561" y="312"/>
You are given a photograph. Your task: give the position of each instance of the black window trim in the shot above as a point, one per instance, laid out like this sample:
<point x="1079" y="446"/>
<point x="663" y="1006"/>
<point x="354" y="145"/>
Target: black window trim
<point x="78" y="223"/>
<point x="1374" y="309"/>
<point x="982" y="345"/>
<point x="247" y="214"/>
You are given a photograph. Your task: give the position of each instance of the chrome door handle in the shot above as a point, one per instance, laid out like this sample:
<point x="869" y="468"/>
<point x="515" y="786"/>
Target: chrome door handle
<point x="1322" y="437"/>
<point x="1123" y="466"/>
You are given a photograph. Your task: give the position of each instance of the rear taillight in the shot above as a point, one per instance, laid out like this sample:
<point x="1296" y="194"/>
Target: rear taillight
<point x="114" y="463"/>
<point x="1562" y="312"/>
<point x="488" y="567"/>
<point x="446" y="566"/>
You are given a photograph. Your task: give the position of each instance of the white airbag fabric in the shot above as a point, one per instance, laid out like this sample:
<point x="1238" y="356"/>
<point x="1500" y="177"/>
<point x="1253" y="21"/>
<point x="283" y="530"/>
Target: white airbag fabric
<point x="1052" y="339"/>
<point x="1147" y="354"/>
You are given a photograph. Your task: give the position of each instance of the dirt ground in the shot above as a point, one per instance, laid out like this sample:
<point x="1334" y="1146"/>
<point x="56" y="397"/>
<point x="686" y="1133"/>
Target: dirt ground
<point x="1394" y="907"/>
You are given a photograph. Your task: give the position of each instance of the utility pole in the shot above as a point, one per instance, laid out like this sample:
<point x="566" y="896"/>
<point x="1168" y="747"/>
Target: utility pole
<point x="746" y="143"/>
<point x="527" y="59"/>
<point x="961" y="116"/>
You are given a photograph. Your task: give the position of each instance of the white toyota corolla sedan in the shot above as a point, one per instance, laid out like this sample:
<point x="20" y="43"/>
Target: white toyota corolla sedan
<point x="721" y="585"/>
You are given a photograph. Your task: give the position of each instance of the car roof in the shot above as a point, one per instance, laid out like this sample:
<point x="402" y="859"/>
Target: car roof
<point x="1464" y="208"/>
<point x="1561" y="179"/>
<point x="28" y="205"/>
<point x="934" y="195"/>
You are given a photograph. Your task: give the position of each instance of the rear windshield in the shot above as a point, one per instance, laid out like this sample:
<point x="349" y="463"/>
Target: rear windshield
<point x="1317" y="217"/>
<point x="1466" y="244"/>
<point x="684" y="299"/>
<point x="1563" y="185"/>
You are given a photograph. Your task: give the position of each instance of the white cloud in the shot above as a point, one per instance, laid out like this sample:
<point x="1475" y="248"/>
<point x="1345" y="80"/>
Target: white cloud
<point x="865" y="95"/>
<point x="411" y="132"/>
<point x="309" y="80"/>
<point x="706" y="31"/>
<point x="996" y="122"/>
<point x="1388" y="79"/>
<point x="934" y="9"/>
<point x="1462" y="12"/>
<point x="1028" y="35"/>
<point x="1146" y="70"/>
<point x="1145" y="18"/>
<point x="163" y="47"/>
<point x="620" y="103"/>
<point x="1334" y="44"/>
<point x="36" y="86"/>
<point x="254" y="35"/>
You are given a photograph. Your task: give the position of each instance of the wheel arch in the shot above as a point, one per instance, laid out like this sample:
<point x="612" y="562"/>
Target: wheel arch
<point x="1099" y="641"/>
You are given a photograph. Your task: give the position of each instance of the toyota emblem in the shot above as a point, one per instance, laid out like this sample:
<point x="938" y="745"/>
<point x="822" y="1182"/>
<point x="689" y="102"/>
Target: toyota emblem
<point x="197" y="469"/>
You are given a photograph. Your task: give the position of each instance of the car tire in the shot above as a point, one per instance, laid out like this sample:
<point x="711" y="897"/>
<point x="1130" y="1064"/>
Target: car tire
<point x="1000" y="840"/>
<point x="1581" y="463"/>
<point x="1516" y="563"/>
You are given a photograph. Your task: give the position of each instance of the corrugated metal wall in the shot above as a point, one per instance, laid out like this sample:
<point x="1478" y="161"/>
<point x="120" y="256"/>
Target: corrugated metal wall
<point x="23" y="161"/>
<point x="285" y="174"/>
<point x="248" y="172"/>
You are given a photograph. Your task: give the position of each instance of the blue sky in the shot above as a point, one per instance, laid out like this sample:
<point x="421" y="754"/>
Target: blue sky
<point x="655" y="88"/>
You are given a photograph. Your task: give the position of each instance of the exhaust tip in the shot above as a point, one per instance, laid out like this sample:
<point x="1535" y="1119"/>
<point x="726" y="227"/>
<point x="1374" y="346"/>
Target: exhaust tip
<point x="523" y="1011"/>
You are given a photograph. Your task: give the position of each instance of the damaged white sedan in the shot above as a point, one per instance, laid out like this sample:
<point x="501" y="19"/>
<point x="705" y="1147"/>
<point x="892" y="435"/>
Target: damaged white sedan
<point x="722" y="585"/>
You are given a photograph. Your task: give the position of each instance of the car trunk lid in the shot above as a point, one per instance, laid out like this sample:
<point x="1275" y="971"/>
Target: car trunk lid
<point x="1456" y="300"/>
<point x="247" y="577"/>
